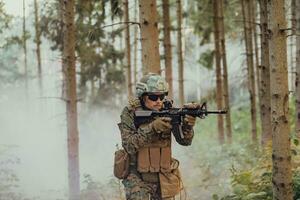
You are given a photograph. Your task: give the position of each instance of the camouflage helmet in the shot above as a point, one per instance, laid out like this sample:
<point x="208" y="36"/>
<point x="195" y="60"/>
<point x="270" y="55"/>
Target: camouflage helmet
<point x="151" y="83"/>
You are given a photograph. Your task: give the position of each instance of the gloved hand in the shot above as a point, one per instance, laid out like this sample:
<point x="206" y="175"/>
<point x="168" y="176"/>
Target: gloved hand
<point x="189" y="120"/>
<point x="192" y="105"/>
<point x="162" y="125"/>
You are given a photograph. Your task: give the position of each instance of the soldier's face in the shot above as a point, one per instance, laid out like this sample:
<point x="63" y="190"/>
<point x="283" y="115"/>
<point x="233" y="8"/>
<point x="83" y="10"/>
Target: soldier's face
<point x="154" y="101"/>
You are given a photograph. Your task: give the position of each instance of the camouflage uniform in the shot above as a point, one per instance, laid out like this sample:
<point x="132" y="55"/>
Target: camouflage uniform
<point x="134" y="139"/>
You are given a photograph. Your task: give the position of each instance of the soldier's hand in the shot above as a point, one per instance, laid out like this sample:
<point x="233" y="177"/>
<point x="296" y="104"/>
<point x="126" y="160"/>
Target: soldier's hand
<point x="192" y="105"/>
<point x="189" y="120"/>
<point x="162" y="125"/>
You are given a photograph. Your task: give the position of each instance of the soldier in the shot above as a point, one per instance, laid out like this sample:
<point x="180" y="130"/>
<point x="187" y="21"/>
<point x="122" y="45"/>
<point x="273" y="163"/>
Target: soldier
<point x="153" y="173"/>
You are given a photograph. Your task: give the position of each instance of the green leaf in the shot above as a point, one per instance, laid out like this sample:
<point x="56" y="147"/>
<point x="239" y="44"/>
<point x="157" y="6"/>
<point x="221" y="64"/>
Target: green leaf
<point x="215" y="197"/>
<point x="296" y="141"/>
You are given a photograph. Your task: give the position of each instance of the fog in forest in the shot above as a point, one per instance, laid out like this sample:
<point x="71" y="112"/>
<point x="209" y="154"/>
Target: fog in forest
<point x="34" y="136"/>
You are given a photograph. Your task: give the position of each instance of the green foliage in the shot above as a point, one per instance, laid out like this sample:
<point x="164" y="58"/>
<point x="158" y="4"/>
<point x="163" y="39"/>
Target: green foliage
<point x="201" y="15"/>
<point x="5" y="19"/>
<point x="100" y="61"/>
<point x="206" y="59"/>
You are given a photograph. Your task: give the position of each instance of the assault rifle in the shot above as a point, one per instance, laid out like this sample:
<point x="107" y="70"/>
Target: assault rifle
<point x="176" y="115"/>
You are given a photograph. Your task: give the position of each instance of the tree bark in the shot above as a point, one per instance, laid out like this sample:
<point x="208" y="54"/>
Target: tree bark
<point x="256" y="50"/>
<point x="225" y="74"/>
<point x="38" y="43"/>
<point x="297" y="83"/>
<point x="167" y="46"/>
<point x="128" y="53"/>
<point x="281" y="157"/>
<point x="250" y="66"/>
<point x="149" y="36"/>
<point x="135" y="45"/>
<point x="179" y="53"/>
<point x="219" y="89"/>
<point x="264" y="92"/>
<point x="71" y="101"/>
<point x="25" y="50"/>
<point x="292" y="43"/>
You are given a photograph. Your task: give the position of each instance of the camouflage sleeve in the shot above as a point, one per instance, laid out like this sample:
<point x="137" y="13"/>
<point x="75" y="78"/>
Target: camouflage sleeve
<point x="188" y="133"/>
<point x="132" y="138"/>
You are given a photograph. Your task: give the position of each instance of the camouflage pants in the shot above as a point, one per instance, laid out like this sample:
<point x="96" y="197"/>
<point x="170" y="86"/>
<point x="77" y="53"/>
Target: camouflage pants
<point x="137" y="189"/>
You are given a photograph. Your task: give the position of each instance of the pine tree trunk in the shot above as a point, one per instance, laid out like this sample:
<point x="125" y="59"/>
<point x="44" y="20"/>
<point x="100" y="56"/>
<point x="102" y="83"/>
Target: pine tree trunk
<point x="294" y="16"/>
<point x="250" y="66"/>
<point x="71" y="101"/>
<point x="281" y="176"/>
<point x="179" y="53"/>
<point x="128" y="53"/>
<point x="256" y="51"/>
<point x="25" y="50"/>
<point x="297" y="84"/>
<point x="38" y="43"/>
<point x="135" y="45"/>
<point x="219" y="89"/>
<point x="264" y="92"/>
<point x="292" y="43"/>
<point x="225" y="74"/>
<point x="167" y="46"/>
<point x="149" y="36"/>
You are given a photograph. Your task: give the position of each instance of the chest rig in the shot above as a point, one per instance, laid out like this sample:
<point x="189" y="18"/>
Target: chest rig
<point x="155" y="155"/>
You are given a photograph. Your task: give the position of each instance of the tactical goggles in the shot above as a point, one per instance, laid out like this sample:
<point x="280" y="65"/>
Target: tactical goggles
<point x="155" y="97"/>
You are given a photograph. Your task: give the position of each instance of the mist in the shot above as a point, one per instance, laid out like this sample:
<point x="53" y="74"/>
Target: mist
<point x="34" y="127"/>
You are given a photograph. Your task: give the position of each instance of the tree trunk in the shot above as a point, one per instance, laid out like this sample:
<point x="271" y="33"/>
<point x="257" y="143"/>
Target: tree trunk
<point x="149" y="36"/>
<point x="128" y="53"/>
<point x="38" y="43"/>
<point x="249" y="52"/>
<point x="179" y="53"/>
<point x="25" y="50"/>
<point x="264" y="92"/>
<point x="256" y="51"/>
<point x="167" y="46"/>
<point x="292" y="43"/>
<point x="135" y="45"/>
<point x="225" y="74"/>
<point x="297" y="84"/>
<point x="219" y="89"/>
<point x="281" y="176"/>
<point x="71" y="101"/>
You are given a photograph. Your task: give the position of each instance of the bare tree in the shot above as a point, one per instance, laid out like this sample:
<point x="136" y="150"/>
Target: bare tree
<point x="225" y="74"/>
<point x="128" y="49"/>
<point x="246" y="10"/>
<point x="264" y="92"/>
<point x="297" y="84"/>
<point x="25" y="49"/>
<point x="219" y="89"/>
<point x="149" y="36"/>
<point x="179" y="53"/>
<point x="281" y="156"/>
<point x="71" y="98"/>
<point x="38" y="43"/>
<point x="167" y="46"/>
<point x="135" y="45"/>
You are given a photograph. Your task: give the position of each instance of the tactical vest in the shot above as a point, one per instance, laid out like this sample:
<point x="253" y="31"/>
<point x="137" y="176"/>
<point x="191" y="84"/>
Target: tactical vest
<point x="156" y="156"/>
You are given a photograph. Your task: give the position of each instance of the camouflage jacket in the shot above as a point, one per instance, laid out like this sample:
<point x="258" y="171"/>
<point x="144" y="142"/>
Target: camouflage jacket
<point x="134" y="138"/>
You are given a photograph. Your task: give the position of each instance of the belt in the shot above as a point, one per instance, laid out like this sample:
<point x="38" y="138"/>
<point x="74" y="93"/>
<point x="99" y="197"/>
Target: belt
<point x="150" y="177"/>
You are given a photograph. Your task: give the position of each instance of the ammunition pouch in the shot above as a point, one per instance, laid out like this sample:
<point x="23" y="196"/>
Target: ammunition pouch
<point x="170" y="182"/>
<point x="121" y="164"/>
